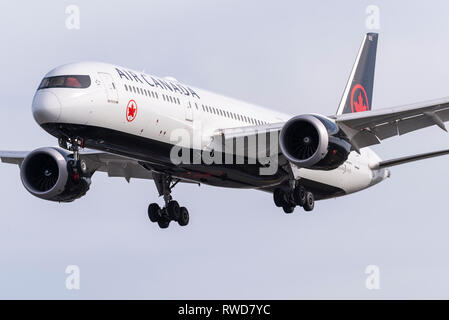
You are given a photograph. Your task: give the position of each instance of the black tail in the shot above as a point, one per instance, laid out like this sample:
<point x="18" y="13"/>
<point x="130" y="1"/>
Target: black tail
<point x="358" y="93"/>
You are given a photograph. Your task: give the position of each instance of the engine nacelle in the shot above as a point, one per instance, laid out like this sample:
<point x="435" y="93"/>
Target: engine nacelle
<point x="47" y="173"/>
<point x="313" y="142"/>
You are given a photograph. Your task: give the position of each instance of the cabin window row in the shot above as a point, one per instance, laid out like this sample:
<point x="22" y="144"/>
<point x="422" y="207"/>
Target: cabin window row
<point x="148" y="93"/>
<point x="171" y="99"/>
<point x="206" y="108"/>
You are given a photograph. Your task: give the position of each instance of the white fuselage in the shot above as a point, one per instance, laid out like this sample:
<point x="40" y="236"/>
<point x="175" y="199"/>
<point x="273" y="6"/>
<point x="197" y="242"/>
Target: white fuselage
<point x="162" y="105"/>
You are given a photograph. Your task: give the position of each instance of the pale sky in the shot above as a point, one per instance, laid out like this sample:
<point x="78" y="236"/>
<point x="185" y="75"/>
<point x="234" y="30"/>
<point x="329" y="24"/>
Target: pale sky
<point x="291" y="56"/>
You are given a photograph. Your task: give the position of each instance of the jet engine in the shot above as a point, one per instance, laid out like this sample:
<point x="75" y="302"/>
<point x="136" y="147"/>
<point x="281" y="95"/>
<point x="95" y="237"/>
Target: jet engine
<point x="314" y="142"/>
<point x="51" y="174"/>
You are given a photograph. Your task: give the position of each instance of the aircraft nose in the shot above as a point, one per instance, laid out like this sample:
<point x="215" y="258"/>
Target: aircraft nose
<point x="46" y="107"/>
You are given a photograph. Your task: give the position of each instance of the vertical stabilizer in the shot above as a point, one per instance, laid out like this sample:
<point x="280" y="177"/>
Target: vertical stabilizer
<point x="358" y="93"/>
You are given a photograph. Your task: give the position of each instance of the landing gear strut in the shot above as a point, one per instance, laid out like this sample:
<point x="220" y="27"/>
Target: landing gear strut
<point x="76" y="166"/>
<point x="289" y="199"/>
<point x="171" y="211"/>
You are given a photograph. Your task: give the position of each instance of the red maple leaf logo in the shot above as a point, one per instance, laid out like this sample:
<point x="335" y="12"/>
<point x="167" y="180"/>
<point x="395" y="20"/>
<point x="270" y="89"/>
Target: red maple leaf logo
<point x="131" y="111"/>
<point x="359" y="99"/>
<point x="359" y="105"/>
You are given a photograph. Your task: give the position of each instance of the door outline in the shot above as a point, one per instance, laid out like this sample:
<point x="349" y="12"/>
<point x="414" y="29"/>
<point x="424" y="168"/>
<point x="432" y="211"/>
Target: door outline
<point x="110" y="87"/>
<point x="189" y="112"/>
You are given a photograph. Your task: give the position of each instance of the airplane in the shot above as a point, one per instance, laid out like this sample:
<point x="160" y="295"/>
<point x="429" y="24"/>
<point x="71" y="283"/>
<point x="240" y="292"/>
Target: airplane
<point x="132" y="125"/>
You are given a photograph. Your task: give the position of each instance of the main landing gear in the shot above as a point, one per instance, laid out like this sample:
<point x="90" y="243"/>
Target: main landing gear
<point x="171" y="211"/>
<point x="288" y="200"/>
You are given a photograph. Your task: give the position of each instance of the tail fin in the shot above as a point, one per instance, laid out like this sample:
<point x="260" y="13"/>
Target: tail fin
<point x="358" y="93"/>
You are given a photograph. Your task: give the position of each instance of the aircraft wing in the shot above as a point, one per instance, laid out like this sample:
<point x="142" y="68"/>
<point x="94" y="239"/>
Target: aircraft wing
<point x="14" y="157"/>
<point x="253" y="135"/>
<point x="370" y="127"/>
<point x="113" y="165"/>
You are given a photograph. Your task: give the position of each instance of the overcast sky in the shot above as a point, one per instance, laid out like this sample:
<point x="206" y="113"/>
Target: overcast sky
<point x="291" y="56"/>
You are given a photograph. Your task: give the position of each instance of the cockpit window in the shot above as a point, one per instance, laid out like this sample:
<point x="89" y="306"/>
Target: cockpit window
<point x="70" y="81"/>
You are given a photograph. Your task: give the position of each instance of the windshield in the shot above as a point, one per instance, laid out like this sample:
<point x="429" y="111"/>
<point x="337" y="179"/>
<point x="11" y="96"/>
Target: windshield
<point x="69" y="81"/>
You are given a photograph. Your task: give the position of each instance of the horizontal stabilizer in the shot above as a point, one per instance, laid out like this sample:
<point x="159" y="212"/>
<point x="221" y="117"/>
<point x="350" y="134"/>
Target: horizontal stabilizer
<point x="402" y="160"/>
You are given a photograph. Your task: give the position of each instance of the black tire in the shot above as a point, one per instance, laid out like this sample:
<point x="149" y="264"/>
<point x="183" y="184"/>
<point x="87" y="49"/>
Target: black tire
<point x="279" y="197"/>
<point x="163" y="223"/>
<point x="183" y="217"/>
<point x="173" y="210"/>
<point x="154" y="212"/>
<point x="299" y="195"/>
<point x="310" y="202"/>
<point x="288" y="209"/>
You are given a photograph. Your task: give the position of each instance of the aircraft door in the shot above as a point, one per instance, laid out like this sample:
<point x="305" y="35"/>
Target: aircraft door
<point x="189" y="111"/>
<point x="110" y="87"/>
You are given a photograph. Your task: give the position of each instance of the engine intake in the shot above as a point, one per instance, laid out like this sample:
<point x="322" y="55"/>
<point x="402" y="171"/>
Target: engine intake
<point x="314" y="142"/>
<point x="47" y="174"/>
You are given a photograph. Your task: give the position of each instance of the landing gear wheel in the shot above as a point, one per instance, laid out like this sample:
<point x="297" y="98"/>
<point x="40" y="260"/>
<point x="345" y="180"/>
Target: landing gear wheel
<point x="299" y="195"/>
<point x="173" y="210"/>
<point x="82" y="166"/>
<point x="183" y="219"/>
<point x="163" y="223"/>
<point x="154" y="212"/>
<point x="310" y="201"/>
<point x="280" y="197"/>
<point x="288" y="209"/>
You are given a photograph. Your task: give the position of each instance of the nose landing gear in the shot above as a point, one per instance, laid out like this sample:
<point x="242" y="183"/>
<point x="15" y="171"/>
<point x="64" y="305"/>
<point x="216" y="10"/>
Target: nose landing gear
<point x="171" y="211"/>
<point x="76" y="166"/>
